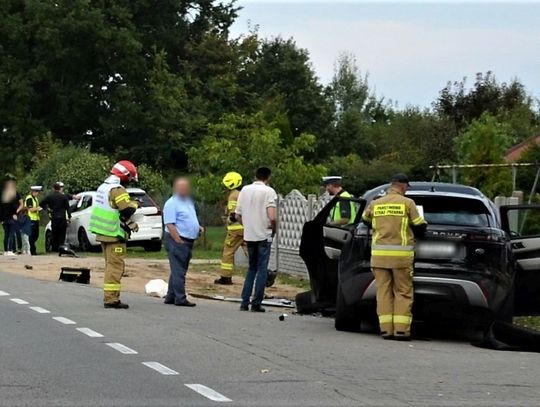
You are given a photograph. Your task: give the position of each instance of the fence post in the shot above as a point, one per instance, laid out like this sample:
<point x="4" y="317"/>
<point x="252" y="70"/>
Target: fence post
<point x="278" y="232"/>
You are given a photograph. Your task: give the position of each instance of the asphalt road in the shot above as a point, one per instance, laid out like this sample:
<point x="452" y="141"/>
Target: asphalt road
<point x="214" y="354"/>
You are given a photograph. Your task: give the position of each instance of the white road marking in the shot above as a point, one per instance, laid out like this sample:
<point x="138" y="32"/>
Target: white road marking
<point x="3" y="293"/>
<point x="122" y="348"/>
<point x="160" y="368"/>
<point x="19" y="301"/>
<point x="65" y="321"/>
<point x="40" y="310"/>
<point x="208" y="393"/>
<point x="90" y="333"/>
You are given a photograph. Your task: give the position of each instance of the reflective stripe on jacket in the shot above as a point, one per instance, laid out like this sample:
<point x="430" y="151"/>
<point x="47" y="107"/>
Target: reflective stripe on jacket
<point x="391" y="216"/>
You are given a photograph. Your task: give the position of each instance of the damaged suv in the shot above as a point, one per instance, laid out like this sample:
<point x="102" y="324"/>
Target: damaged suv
<point x="474" y="263"/>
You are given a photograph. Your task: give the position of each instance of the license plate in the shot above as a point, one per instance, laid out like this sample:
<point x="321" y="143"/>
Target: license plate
<point x="438" y="250"/>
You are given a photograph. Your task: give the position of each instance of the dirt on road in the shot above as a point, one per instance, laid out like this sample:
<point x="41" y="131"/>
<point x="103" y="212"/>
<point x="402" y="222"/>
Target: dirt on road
<point x="200" y="277"/>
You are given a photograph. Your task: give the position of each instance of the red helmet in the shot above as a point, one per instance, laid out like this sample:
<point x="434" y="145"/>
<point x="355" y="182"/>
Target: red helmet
<point x="125" y="170"/>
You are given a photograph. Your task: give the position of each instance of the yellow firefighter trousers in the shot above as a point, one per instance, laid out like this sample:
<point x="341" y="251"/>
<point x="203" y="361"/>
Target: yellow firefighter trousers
<point x="394" y="300"/>
<point x="115" y="254"/>
<point x="233" y="241"/>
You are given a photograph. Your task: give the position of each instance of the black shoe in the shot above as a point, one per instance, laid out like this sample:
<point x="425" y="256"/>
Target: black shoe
<point x="185" y="303"/>
<point x="168" y="301"/>
<point x="224" y="281"/>
<point x="387" y="337"/>
<point x="116" y="305"/>
<point x="402" y="338"/>
<point x="257" y="308"/>
<point x="244" y="307"/>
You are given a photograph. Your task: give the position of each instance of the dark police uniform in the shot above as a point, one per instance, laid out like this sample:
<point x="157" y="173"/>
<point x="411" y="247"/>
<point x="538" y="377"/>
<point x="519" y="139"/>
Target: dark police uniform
<point x="57" y="203"/>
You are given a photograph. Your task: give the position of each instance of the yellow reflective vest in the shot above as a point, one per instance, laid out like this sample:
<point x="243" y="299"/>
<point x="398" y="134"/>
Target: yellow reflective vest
<point x="391" y="216"/>
<point x="336" y="212"/>
<point x="33" y="215"/>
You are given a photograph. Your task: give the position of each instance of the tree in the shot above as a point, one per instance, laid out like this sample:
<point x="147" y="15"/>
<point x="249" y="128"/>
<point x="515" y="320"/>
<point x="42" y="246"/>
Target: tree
<point x="243" y="143"/>
<point x="484" y="142"/>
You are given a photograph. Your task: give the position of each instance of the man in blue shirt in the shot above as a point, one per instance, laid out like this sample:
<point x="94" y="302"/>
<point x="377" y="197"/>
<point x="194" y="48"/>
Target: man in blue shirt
<point x="181" y="230"/>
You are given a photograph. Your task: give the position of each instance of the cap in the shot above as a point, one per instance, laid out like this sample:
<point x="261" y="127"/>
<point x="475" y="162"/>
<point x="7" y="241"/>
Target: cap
<point x="400" y="178"/>
<point x="59" y="184"/>
<point x="36" y="188"/>
<point x="330" y="179"/>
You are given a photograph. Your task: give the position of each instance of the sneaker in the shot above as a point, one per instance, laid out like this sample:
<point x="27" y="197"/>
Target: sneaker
<point x="257" y="308"/>
<point x="9" y="253"/>
<point x="116" y="305"/>
<point x="224" y="281"/>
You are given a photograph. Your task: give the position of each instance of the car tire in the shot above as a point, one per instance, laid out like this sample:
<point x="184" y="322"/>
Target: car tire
<point x="48" y="241"/>
<point x="304" y="303"/>
<point x="348" y="318"/>
<point x="84" y="243"/>
<point x="153" y="246"/>
<point x="506" y="311"/>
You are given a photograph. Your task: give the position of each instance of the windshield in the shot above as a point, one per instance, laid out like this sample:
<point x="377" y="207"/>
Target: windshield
<point x="442" y="210"/>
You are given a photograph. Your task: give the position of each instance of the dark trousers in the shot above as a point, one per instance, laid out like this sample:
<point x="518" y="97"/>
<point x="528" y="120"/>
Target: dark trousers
<point x="10" y="235"/>
<point x="58" y="229"/>
<point x="179" y="256"/>
<point x="259" y="256"/>
<point x="34" y="237"/>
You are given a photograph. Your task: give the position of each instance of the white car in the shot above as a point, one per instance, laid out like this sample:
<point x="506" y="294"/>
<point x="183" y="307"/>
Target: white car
<point x="148" y="217"/>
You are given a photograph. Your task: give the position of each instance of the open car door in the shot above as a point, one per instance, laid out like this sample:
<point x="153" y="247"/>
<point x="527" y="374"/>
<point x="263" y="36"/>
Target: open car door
<point x="320" y="248"/>
<point x="522" y="222"/>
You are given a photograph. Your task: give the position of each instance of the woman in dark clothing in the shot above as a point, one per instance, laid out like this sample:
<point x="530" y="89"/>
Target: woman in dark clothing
<point x="10" y="205"/>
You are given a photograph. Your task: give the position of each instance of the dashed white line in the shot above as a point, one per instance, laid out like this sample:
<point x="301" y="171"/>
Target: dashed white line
<point x="19" y="301"/>
<point x="122" y="348"/>
<point x="65" y="321"/>
<point x="40" y="310"/>
<point x="89" y="332"/>
<point x="3" y="293"/>
<point x="208" y="393"/>
<point x="160" y="368"/>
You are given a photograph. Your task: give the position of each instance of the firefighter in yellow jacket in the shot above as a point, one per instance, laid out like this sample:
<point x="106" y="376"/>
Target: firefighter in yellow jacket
<point x="112" y="224"/>
<point x="395" y="220"/>
<point x="235" y="231"/>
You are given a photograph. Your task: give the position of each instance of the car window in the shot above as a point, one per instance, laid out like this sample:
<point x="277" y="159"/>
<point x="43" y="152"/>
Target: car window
<point x="442" y="210"/>
<point x="143" y="199"/>
<point x="524" y="222"/>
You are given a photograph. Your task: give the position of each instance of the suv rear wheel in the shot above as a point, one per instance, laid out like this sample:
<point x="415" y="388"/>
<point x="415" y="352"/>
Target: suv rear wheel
<point x="84" y="243"/>
<point x="48" y="241"/>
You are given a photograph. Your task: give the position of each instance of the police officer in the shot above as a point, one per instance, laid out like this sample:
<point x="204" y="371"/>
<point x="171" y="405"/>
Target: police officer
<point x="111" y="222"/>
<point x="31" y="201"/>
<point x="344" y="213"/>
<point x="235" y="231"/>
<point x="395" y="220"/>
<point x="57" y="203"/>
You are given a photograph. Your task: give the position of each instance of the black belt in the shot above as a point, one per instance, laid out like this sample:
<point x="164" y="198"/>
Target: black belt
<point x="185" y="239"/>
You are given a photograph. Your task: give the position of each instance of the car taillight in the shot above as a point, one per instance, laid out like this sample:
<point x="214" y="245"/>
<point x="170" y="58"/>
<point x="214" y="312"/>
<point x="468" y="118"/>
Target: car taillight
<point x="484" y="237"/>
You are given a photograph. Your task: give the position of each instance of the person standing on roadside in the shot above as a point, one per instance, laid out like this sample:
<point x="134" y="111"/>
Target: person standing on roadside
<point x="182" y="228"/>
<point x="31" y="202"/>
<point x="10" y="205"/>
<point x="57" y="204"/>
<point x="256" y="211"/>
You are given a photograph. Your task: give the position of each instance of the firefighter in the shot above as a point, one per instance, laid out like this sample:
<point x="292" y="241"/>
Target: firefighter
<point x="396" y="221"/>
<point x="111" y="223"/>
<point x="235" y="231"/>
<point x="344" y="213"/>
<point x="31" y="201"/>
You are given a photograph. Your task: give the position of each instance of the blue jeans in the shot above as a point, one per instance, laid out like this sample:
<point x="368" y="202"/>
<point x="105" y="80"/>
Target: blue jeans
<point x="10" y="235"/>
<point x="179" y="256"/>
<point x="259" y="256"/>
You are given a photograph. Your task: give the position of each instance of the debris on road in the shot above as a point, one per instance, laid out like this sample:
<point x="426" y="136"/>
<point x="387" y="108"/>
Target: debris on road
<point x="274" y="302"/>
<point x="156" y="288"/>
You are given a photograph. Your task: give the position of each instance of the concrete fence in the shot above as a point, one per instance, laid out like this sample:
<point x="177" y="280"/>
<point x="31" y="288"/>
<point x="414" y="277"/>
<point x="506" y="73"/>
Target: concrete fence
<point x="294" y="210"/>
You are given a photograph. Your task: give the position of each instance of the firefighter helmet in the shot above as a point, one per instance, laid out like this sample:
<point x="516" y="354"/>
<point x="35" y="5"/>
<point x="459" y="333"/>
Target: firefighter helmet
<point x="125" y="170"/>
<point x="232" y="180"/>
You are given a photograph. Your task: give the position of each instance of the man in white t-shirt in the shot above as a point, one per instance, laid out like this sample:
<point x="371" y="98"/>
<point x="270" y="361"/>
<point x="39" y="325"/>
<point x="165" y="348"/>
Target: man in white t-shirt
<point x="256" y="210"/>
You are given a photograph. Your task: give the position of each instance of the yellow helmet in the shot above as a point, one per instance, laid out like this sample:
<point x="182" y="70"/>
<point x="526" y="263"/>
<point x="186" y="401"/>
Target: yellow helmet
<point x="232" y="180"/>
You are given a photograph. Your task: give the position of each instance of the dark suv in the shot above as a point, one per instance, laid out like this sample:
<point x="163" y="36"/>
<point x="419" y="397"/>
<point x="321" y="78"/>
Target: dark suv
<point x="474" y="262"/>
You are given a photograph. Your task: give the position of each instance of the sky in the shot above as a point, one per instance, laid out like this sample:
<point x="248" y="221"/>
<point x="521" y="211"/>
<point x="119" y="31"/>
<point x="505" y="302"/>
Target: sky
<point x="410" y="50"/>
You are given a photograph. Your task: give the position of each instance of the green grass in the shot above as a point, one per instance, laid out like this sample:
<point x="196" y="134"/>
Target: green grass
<point x="208" y="247"/>
<point x="528" y="322"/>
